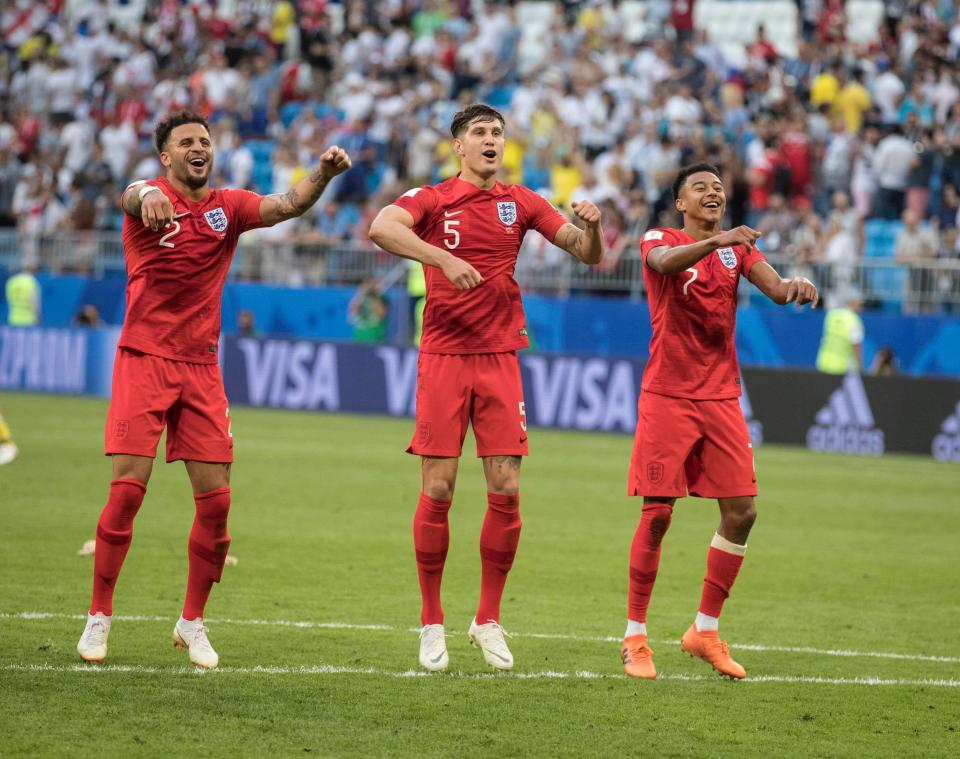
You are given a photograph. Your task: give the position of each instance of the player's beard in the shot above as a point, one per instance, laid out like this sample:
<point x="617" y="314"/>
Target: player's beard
<point x="195" y="182"/>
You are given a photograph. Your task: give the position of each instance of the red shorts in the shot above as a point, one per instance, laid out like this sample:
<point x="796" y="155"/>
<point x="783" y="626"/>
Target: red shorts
<point x="150" y="392"/>
<point x="684" y="446"/>
<point x="482" y="388"/>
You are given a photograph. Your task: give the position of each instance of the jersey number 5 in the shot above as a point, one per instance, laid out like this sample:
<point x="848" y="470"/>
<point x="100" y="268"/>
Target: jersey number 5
<point x="450" y="228"/>
<point x="163" y="240"/>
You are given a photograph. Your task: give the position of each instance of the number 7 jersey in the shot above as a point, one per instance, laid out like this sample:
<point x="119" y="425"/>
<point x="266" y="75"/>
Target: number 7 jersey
<point x="484" y="228"/>
<point x="693" y="315"/>
<point x="175" y="276"/>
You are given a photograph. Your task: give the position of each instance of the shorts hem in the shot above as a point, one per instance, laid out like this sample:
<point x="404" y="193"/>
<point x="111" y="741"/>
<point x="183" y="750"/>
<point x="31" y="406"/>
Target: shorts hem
<point x="118" y="452"/>
<point x="700" y="494"/>
<point x="202" y="458"/>
<point x="500" y="452"/>
<point x="436" y="454"/>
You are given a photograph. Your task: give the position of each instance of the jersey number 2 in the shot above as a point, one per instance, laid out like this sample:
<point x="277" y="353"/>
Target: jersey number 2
<point x="163" y="240"/>
<point x="694" y="274"/>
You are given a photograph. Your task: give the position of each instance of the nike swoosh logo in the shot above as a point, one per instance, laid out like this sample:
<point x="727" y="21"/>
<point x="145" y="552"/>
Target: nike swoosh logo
<point x="452" y="213"/>
<point x="501" y="658"/>
<point x="437" y="660"/>
<point x="181" y="215"/>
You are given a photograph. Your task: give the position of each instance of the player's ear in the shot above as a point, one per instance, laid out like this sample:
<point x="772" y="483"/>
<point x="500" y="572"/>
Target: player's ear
<point x="164" y="158"/>
<point x="458" y="146"/>
<point x="680" y="205"/>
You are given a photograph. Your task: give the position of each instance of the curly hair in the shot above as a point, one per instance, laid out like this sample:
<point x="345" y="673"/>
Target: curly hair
<point x="171" y="122"/>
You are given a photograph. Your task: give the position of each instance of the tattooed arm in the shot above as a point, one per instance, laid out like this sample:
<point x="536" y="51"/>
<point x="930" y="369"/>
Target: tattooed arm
<point x="299" y="198"/>
<point x="587" y="244"/>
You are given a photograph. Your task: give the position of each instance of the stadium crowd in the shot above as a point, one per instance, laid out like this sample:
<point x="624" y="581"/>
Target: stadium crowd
<point x="810" y="144"/>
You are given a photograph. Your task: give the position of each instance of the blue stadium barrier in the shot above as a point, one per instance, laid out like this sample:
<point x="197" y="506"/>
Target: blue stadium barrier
<point x="924" y="344"/>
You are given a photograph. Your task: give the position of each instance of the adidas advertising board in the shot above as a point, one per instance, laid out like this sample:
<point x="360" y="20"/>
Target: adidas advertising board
<point x="946" y="445"/>
<point x="846" y="424"/>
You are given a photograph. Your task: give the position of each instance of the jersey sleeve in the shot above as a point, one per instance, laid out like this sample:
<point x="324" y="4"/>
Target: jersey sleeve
<point x="654" y="238"/>
<point x="246" y="206"/>
<point x="544" y="217"/>
<point x="418" y="202"/>
<point x="752" y="257"/>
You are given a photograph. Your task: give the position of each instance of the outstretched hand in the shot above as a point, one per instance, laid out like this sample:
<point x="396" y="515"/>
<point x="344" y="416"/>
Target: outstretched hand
<point x="334" y="161"/>
<point x="156" y="210"/>
<point x="742" y="235"/>
<point x="802" y="290"/>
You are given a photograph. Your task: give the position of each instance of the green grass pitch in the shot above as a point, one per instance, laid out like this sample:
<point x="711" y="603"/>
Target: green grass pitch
<point x="845" y="613"/>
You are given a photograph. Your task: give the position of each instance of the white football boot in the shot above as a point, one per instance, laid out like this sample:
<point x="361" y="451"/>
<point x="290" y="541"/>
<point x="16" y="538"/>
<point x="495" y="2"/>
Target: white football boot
<point x="193" y="635"/>
<point x="93" y="643"/>
<point x="490" y="638"/>
<point x="433" y="648"/>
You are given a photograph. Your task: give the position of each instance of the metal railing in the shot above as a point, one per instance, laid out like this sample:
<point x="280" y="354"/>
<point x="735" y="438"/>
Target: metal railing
<point x="882" y="282"/>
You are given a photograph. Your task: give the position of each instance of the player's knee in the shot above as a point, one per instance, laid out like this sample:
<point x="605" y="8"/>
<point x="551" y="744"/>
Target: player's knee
<point x="439" y="488"/>
<point x="658" y="517"/>
<point x="741" y="521"/>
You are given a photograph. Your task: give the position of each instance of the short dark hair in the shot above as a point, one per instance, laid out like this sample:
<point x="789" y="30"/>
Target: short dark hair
<point x="480" y="111"/>
<point x="171" y="122"/>
<point x="688" y="171"/>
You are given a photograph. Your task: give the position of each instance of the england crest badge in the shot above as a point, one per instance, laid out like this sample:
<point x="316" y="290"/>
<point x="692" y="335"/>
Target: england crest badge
<point x="727" y="257"/>
<point x="217" y="219"/>
<point x="507" y="211"/>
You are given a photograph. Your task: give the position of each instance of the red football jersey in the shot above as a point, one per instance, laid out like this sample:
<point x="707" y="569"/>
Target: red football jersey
<point x="485" y="229"/>
<point x="694" y="315"/>
<point x="175" y="276"/>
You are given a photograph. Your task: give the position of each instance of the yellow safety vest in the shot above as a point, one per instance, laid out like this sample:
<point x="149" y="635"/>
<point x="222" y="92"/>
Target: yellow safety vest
<point x="22" y="296"/>
<point x="836" y="346"/>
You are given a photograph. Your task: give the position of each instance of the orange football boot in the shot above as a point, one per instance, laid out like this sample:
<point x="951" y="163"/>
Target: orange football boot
<point x="638" y="657"/>
<point x="707" y="645"/>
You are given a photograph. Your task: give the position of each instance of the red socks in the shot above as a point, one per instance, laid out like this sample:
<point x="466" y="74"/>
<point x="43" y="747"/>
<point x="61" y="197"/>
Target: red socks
<point x="114" y="533"/>
<point x="645" y="557"/>
<point x="723" y="563"/>
<point x="499" y="537"/>
<point x="431" y="538"/>
<point x="209" y="541"/>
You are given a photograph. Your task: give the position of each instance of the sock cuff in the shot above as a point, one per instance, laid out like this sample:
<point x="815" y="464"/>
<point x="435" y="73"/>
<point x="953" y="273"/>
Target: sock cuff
<point x="433" y="503"/>
<point x="504" y="500"/>
<point x="129" y="481"/>
<point x="211" y="494"/>
<point x="722" y="544"/>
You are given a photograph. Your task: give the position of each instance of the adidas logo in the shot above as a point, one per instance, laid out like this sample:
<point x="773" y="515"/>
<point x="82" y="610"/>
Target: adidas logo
<point x="754" y="426"/>
<point x="845" y="424"/>
<point x="946" y="445"/>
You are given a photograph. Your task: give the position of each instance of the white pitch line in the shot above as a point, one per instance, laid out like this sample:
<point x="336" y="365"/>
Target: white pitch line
<point x="308" y="625"/>
<point x="327" y="669"/>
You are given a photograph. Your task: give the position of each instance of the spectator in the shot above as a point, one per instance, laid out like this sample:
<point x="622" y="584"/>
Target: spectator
<point x="853" y="101"/>
<point x="23" y="299"/>
<point x="245" y="324"/>
<point x="87" y="316"/>
<point x="891" y="165"/>
<point x="369" y="310"/>
<point x="776" y="225"/>
<point x="885" y="363"/>
<point x="916" y="246"/>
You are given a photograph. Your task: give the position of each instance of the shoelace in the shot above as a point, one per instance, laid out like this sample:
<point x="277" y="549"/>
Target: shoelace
<point x="432" y="637"/>
<point x="639" y="650"/>
<point x="199" y="638"/>
<point x="497" y="626"/>
<point x="98" y="633"/>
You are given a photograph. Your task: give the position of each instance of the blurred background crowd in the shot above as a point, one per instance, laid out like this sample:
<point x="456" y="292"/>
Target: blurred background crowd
<point x="836" y="124"/>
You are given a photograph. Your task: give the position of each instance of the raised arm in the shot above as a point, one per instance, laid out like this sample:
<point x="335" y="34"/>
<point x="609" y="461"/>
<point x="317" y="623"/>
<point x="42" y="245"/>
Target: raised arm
<point x="586" y="244"/>
<point x="669" y="261"/>
<point x="783" y="291"/>
<point x="393" y="231"/>
<point x="300" y="198"/>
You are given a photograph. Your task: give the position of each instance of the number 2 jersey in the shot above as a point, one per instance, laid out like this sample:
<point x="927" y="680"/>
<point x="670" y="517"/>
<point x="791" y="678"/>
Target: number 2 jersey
<point x="485" y="229"/>
<point x="175" y="276"/>
<point x="694" y="316"/>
